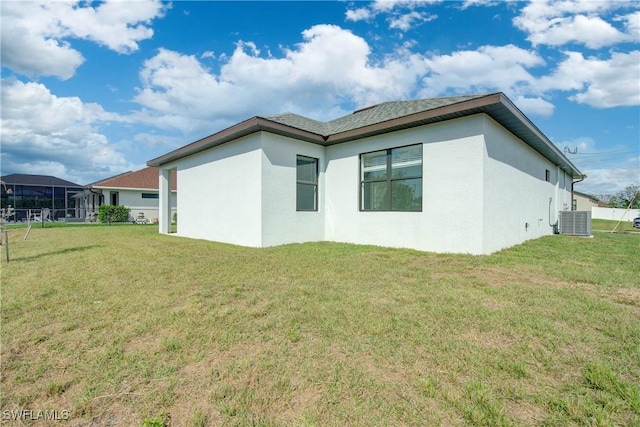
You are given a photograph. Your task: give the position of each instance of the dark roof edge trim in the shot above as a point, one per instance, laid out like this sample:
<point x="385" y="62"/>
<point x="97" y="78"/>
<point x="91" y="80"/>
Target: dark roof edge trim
<point x="252" y="125"/>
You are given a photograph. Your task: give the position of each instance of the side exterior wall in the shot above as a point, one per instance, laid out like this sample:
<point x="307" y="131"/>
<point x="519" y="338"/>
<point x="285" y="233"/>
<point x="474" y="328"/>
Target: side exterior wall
<point x="451" y="181"/>
<point x="519" y="203"/>
<point x="220" y="196"/>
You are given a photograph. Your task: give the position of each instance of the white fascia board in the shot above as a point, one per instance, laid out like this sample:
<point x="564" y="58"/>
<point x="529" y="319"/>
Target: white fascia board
<point x="151" y="190"/>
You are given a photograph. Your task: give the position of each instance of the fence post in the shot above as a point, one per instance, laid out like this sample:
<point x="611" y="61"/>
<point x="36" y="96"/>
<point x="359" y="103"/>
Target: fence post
<point x="6" y="243"/>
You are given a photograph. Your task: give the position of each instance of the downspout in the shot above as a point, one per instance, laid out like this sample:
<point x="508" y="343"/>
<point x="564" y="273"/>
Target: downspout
<point x="582" y="178"/>
<point x="555" y="224"/>
<point x="556" y="194"/>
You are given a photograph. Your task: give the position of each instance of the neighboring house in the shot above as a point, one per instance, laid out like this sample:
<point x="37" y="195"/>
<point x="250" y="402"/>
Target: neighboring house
<point x="465" y="174"/>
<point x="46" y="197"/>
<point x="136" y="190"/>
<point x="584" y="202"/>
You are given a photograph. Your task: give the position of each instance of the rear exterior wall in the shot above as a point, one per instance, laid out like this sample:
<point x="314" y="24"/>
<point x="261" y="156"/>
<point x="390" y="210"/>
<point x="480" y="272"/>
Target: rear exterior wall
<point x="450" y="220"/>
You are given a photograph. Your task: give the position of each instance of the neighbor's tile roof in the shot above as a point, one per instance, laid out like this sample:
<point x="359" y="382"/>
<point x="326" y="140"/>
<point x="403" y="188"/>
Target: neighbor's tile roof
<point x="147" y="178"/>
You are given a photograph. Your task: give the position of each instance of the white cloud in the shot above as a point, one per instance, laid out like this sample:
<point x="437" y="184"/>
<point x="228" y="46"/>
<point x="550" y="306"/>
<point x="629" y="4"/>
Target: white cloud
<point x="329" y="67"/>
<point x="557" y="23"/>
<point x="601" y="83"/>
<point x="610" y="180"/>
<point x="408" y="20"/>
<point x="360" y="14"/>
<point x="403" y="14"/>
<point x="632" y="24"/>
<point x="62" y="139"/>
<point x="36" y="35"/>
<point x="114" y="24"/>
<point x="28" y="45"/>
<point x="534" y="106"/>
<point x="487" y="69"/>
<point x="470" y="3"/>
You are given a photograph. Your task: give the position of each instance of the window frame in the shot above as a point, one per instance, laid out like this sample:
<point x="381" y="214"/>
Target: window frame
<point x="389" y="179"/>
<point x="307" y="183"/>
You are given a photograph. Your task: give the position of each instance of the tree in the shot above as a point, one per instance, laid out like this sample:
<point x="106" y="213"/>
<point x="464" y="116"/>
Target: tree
<point x="630" y="197"/>
<point x="622" y="199"/>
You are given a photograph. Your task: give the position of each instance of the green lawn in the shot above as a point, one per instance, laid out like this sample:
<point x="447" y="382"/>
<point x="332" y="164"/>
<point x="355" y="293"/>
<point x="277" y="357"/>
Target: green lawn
<point x="121" y="326"/>
<point x="617" y="226"/>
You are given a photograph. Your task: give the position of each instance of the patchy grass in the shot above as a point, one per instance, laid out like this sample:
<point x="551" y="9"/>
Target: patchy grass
<point x="608" y="225"/>
<point x="122" y="326"/>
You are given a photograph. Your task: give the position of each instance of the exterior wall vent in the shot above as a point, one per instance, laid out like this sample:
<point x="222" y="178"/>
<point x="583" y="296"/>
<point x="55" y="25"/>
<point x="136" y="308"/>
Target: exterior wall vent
<point x="575" y="223"/>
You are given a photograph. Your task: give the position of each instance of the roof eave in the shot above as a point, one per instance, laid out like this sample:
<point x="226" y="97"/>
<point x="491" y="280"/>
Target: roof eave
<point x="496" y="105"/>
<point x="538" y="141"/>
<point x="252" y="125"/>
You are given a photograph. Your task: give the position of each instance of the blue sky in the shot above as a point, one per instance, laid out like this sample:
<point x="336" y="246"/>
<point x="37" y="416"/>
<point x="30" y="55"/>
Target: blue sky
<point x="94" y="89"/>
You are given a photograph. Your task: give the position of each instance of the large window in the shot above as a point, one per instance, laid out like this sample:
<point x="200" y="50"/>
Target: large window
<point x="306" y="184"/>
<point x="391" y="180"/>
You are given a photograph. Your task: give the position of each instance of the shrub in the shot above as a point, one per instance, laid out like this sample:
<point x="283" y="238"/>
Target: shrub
<point x="111" y="213"/>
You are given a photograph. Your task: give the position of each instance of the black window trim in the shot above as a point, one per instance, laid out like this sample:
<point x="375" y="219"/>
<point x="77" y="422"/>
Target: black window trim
<point x="315" y="184"/>
<point x="389" y="178"/>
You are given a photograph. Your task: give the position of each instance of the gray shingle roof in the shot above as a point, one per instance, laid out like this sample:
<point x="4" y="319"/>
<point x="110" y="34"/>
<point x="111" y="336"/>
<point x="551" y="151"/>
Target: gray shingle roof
<point x="41" y="180"/>
<point x="367" y="116"/>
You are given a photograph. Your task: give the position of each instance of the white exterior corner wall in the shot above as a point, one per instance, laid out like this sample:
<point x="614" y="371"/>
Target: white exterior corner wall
<point x="518" y="203"/>
<point x="220" y="195"/>
<point x="281" y="222"/>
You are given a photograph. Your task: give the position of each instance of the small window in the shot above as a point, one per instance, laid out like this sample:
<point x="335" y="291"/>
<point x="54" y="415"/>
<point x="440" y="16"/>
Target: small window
<point x="547" y="175"/>
<point x="150" y="195"/>
<point x="391" y="180"/>
<point x="306" y="183"/>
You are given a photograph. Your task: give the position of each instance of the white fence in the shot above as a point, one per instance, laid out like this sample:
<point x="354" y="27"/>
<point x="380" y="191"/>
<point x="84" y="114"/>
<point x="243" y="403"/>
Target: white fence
<point x="615" y="214"/>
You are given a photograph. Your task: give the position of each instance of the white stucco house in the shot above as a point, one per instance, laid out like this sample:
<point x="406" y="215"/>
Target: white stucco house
<point x="464" y="174"/>
<point x="137" y="190"/>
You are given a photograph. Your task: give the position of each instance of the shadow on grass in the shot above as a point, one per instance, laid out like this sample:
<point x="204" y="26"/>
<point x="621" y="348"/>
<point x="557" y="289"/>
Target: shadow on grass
<point x="60" y="252"/>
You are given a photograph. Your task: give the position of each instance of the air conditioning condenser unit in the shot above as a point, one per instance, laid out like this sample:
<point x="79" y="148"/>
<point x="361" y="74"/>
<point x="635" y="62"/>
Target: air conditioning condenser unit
<point x="575" y="223"/>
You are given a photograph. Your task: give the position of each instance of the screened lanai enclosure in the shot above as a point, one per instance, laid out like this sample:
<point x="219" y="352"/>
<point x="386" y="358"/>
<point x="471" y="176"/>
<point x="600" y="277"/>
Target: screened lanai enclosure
<point x="41" y="198"/>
